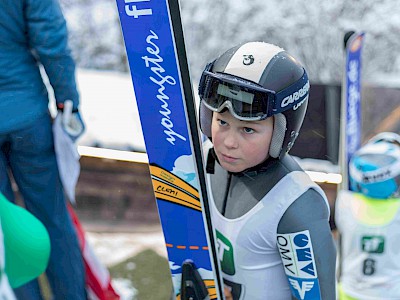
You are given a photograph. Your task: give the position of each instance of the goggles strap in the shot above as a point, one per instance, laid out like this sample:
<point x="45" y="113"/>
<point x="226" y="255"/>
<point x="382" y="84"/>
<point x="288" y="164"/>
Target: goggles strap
<point x="292" y="95"/>
<point x="203" y="79"/>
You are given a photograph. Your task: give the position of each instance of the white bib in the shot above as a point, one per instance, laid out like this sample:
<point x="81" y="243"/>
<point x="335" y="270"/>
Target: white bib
<point x="247" y="245"/>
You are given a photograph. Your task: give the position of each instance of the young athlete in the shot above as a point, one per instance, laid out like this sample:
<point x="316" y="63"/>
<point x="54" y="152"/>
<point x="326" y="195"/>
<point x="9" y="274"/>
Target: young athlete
<point x="368" y="221"/>
<point x="271" y="220"/>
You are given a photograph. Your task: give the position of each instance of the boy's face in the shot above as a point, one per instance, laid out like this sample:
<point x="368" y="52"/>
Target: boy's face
<point x="240" y="145"/>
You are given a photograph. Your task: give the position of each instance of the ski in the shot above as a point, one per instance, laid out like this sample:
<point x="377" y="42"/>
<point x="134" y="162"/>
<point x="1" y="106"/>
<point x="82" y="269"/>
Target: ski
<point x="350" y="115"/>
<point x="156" y="53"/>
<point x="350" y="119"/>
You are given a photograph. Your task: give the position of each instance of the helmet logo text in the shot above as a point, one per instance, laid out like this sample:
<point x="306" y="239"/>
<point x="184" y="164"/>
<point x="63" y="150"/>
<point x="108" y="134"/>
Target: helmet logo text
<point x="248" y="59"/>
<point x="296" y="95"/>
<point x="377" y="177"/>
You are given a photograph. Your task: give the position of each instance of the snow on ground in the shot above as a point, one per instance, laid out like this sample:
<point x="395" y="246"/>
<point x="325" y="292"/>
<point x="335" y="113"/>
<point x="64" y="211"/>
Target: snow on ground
<point x="109" y="109"/>
<point x="113" y="248"/>
<point x="124" y="288"/>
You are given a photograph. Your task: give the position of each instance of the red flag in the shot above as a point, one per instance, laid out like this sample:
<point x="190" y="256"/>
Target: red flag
<point x="98" y="280"/>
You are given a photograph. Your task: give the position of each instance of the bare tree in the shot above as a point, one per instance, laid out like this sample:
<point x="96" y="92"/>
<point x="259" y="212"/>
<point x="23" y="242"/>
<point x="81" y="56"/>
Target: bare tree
<point x="312" y="31"/>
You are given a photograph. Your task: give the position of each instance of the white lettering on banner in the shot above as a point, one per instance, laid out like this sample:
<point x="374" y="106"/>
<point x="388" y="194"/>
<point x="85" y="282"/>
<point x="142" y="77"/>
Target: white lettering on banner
<point x="352" y="113"/>
<point x="296" y="253"/>
<point x="286" y="254"/>
<point x="154" y="64"/>
<point x="132" y="11"/>
<point x="296" y="95"/>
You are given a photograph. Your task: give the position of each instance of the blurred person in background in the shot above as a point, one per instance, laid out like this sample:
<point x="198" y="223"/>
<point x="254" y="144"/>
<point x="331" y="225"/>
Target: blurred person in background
<point x="368" y="222"/>
<point x="34" y="33"/>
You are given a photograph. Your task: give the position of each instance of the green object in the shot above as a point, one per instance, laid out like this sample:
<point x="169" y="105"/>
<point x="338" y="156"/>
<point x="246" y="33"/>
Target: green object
<point x="342" y="295"/>
<point x="376" y="212"/>
<point x="227" y="262"/>
<point x="373" y="244"/>
<point x="26" y="243"/>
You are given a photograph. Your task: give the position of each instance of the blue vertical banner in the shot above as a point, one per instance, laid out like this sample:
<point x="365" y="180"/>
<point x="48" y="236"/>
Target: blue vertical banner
<point x="353" y="94"/>
<point x="152" y="34"/>
<point x="351" y="103"/>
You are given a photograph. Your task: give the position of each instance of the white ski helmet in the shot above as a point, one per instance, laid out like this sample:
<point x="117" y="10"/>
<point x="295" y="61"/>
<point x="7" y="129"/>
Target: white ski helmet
<point x="254" y="81"/>
<point x="375" y="168"/>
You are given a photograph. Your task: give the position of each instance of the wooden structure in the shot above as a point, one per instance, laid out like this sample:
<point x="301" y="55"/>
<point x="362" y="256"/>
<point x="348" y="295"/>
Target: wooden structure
<point x="118" y="195"/>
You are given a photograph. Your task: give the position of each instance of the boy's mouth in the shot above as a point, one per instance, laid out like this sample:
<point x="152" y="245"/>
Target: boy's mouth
<point x="228" y="158"/>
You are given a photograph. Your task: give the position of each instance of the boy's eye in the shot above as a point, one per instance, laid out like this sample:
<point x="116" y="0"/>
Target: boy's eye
<point x="222" y="122"/>
<point x="248" y="130"/>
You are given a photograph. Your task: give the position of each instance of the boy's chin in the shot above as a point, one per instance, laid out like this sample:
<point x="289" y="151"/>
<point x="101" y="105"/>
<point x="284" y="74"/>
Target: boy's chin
<point x="237" y="168"/>
<point x="232" y="168"/>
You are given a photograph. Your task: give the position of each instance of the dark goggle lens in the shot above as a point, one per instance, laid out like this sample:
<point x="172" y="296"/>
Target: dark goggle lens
<point x="246" y="101"/>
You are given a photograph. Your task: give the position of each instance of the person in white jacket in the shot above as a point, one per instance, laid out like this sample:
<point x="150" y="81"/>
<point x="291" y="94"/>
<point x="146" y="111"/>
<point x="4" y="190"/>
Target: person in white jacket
<point x="368" y="222"/>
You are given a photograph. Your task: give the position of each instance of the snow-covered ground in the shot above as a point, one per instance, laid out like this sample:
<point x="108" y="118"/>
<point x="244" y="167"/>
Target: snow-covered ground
<point x="109" y="109"/>
<point x="113" y="248"/>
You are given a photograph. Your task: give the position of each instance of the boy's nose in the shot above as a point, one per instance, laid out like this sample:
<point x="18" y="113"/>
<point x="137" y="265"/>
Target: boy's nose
<point x="231" y="140"/>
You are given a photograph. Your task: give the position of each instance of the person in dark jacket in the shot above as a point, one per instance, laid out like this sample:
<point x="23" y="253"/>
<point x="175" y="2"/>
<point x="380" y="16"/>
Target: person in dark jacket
<point x="32" y="34"/>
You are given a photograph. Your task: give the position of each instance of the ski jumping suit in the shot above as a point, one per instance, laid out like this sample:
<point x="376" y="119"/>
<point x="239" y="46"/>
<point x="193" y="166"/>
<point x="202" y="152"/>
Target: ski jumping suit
<point x="273" y="234"/>
<point x="369" y="252"/>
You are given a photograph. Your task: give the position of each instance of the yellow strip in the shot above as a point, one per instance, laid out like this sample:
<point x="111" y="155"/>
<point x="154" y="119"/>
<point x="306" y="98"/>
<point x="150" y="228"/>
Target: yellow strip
<point x="168" y="176"/>
<point x="170" y="193"/>
<point x="212" y="291"/>
<point x="209" y="282"/>
<point x="177" y="201"/>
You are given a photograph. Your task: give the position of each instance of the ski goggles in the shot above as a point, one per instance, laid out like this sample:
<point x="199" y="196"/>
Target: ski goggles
<point x="388" y="137"/>
<point x="249" y="101"/>
<point x="381" y="159"/>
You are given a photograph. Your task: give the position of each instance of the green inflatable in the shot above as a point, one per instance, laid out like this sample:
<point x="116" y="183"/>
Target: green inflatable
<point x="26" y="243"/>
